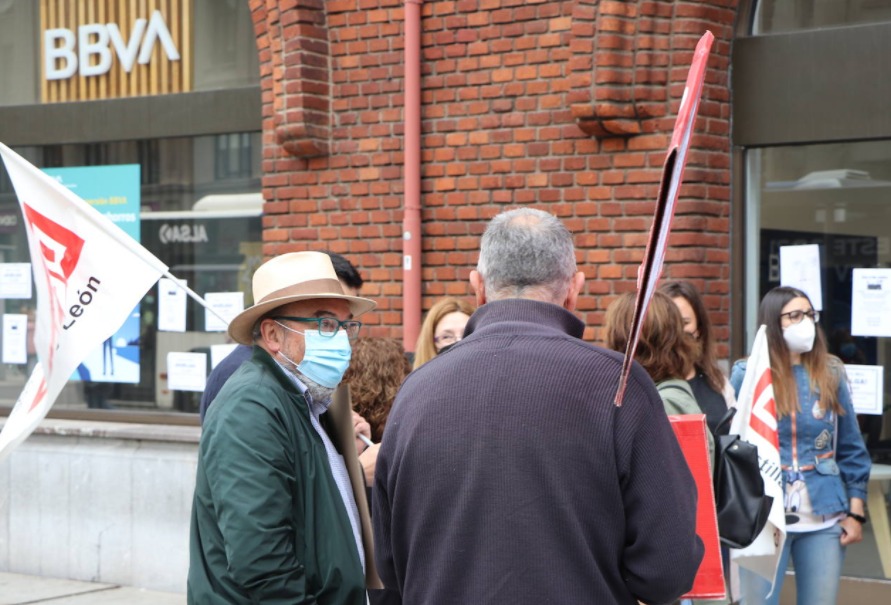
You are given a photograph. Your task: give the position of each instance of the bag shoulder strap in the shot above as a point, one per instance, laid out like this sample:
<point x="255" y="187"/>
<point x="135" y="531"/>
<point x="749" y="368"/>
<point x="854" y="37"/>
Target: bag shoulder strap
<point x="668" y="384"/>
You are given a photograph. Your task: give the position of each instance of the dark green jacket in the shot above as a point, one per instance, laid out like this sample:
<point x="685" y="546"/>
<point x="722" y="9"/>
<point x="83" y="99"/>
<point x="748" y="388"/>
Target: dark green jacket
<point x="268" y="524"/>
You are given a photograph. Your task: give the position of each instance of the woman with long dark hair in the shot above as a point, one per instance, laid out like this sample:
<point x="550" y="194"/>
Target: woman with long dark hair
<point x="824" y="460"/>
<point x="709" y="383"/>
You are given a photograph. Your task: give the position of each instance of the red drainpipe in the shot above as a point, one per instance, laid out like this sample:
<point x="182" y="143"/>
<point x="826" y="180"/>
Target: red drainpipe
<point x="411" y="218"/>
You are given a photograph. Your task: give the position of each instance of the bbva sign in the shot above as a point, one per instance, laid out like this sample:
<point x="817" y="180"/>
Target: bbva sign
<point x="92" y="41"/>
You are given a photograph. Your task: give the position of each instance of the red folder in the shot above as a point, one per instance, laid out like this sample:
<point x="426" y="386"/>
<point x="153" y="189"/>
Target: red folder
<point x="690" y="430"/>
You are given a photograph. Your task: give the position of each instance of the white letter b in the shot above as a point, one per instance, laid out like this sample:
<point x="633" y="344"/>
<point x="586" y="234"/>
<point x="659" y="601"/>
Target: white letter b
<point x="63" y="52"/>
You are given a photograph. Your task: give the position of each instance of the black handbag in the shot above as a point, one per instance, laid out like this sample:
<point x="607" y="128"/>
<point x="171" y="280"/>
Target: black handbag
<point x="741" y="503"/>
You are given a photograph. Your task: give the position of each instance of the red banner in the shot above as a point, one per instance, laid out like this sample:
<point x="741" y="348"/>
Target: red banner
<point x="672" y="174"/>
<point x="690" y="430"/>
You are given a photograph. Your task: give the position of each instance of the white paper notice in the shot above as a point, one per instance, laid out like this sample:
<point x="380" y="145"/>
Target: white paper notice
<point x="171" y="306"/>
<point x="226" y="304"/>
<point x="867" y="388"/>
<point x="15" y="338"/>
<point x="871" y="302"/>
<point x="15" y="280"/>
<point x="219" y="352"/>
<point x="800" y="268"/>
<point x="186" y="371"/>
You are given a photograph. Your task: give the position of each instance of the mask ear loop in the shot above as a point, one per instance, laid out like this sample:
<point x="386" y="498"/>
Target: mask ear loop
<point x="288" y="359"/>
<point x="289" y="329"/>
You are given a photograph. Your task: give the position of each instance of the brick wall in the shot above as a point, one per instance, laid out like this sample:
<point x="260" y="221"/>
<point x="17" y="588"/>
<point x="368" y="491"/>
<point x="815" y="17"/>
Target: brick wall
<point x="564" y="105"/>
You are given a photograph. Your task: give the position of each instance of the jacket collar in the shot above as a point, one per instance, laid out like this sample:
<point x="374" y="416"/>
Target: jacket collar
<point x="263" y="358"/>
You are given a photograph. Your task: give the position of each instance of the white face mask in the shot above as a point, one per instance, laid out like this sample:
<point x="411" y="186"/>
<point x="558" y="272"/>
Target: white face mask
<point x="800" y="337"/>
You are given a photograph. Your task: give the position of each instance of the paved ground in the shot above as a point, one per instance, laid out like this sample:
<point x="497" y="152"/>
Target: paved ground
<point x="17" y="589"/>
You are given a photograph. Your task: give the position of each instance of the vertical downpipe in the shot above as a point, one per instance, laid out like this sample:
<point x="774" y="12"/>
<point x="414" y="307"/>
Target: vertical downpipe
<point x="411" y="221"/>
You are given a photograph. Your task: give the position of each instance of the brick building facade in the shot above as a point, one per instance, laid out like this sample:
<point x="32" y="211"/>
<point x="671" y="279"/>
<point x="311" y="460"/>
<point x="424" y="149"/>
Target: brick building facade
<point x="564" y="105"/>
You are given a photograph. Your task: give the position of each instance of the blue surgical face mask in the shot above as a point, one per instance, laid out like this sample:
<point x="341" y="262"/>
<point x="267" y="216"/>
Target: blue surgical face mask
<point x="325" y="359"/>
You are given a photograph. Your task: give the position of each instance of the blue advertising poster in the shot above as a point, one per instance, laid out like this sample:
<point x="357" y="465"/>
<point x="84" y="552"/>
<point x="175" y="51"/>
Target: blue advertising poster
<point x="114" y="191"/>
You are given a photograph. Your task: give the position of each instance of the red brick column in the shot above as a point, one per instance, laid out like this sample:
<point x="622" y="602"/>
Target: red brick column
<point x="565" y="105"/>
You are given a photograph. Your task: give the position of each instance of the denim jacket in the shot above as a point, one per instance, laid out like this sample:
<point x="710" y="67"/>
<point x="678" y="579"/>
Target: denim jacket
<point x="831" y="480"/>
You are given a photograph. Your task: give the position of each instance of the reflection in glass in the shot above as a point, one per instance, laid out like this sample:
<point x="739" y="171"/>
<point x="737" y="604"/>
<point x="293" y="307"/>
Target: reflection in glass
<point x="19" y="47"/>
<point x="774" y="16"/>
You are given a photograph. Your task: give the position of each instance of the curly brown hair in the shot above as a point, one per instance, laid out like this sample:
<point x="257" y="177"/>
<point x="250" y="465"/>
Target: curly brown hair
<point x="664" y="350"/>
<point x="377" y="369"/>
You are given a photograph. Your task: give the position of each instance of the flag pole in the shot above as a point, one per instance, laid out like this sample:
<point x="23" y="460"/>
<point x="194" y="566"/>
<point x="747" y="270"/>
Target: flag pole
<point x="194" y="296"/>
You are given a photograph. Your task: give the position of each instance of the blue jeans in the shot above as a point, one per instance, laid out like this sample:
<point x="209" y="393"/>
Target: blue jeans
<point x="817" y="558"/>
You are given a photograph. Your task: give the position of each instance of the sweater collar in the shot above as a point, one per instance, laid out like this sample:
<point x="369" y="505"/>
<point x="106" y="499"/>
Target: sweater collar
<point x="528" y="311"/>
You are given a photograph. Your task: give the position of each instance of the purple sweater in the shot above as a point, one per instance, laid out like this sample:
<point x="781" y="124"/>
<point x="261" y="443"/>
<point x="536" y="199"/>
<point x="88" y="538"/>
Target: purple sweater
<point x="507" y="474"/>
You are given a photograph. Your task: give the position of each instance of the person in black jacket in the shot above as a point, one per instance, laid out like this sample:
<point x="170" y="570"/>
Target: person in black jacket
<point x="709" y="384"/>
<point x="508" y="475"/>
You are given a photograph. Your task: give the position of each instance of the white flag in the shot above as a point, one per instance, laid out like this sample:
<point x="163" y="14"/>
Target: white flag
<point x="756" y="422"/>
<point x="89" y="275"/>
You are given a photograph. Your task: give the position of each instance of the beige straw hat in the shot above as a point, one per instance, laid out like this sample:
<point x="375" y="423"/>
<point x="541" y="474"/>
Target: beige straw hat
<point x="288" y="278"/>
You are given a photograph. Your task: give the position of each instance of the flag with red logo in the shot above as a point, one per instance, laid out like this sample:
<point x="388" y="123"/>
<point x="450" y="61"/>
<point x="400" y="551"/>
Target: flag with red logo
<point x="756" y="422"/>
<point x="88" y="274"/>
<point x="650" y="269"/>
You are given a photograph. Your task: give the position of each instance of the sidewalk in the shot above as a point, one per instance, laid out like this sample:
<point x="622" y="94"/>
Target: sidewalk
<point x="18" y="589"/>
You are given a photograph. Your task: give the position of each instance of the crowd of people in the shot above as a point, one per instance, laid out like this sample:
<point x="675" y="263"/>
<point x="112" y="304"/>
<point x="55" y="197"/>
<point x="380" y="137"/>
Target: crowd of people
<point x="494" y="467"/>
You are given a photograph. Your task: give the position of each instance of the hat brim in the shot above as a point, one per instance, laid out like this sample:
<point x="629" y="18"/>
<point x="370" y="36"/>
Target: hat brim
<point x="242" y="325"/>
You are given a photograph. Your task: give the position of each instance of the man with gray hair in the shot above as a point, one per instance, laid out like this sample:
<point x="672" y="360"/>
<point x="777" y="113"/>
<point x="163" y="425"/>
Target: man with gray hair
<point x="508" y="475"/>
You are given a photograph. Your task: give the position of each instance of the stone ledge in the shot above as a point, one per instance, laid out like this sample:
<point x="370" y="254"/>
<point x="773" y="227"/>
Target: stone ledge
<point x="118" y="430"/>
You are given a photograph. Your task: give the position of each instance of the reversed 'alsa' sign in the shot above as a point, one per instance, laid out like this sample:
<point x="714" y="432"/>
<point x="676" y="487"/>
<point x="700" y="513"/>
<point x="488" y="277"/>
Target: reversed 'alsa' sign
<point x="113" y="51"/>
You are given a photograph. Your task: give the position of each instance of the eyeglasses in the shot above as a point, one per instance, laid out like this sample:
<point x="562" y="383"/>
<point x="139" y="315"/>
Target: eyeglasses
<point x="795" y="317"/>
<point x="328" y="326"/>
<point x="446" y="339"/>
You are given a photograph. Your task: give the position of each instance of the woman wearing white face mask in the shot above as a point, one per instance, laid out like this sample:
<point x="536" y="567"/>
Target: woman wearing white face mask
<point x="825" y="463"/>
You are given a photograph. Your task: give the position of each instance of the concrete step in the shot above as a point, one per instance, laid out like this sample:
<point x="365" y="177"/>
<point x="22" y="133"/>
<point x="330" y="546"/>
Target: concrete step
<point x="19" y="589"/>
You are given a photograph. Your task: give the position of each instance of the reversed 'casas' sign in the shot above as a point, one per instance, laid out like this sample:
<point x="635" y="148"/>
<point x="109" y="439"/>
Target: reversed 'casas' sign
<point x="114" y="48"/>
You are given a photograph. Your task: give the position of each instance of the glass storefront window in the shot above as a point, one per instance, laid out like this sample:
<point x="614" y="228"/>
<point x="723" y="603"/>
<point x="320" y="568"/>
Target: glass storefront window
<point x="225" y="45"/>
<point x="774" y="16"/>
<point x="835" y="196"/>
<point x="200" y="220"/>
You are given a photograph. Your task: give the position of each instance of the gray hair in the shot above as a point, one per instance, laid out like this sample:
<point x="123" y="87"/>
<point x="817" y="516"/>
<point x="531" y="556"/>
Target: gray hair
<point x="527" y="253"/>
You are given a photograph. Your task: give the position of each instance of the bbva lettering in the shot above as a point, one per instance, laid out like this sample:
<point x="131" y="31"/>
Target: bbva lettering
<point x="92" y="42"/>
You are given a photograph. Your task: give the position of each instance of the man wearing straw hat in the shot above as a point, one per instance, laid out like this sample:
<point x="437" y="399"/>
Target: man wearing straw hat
<point x="276" y="516"/>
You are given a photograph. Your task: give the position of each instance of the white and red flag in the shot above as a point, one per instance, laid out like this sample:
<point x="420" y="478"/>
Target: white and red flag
<point x="650" y="269"/>
<point x="89" y="275"/>
<point x="756" y="422"/>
